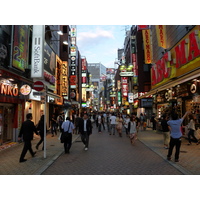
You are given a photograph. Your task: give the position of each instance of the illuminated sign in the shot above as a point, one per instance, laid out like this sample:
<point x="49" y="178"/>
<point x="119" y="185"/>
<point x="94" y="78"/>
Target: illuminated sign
<point x="177" y="61"/>
<point x="7" y="88"/>
<point x="147" y="46"/>
<point x="37" y="63"/>
<point x="25" y="89"/>
<point x="161" y="35"/>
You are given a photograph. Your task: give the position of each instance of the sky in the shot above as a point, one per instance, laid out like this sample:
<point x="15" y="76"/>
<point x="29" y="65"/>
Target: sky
<point x="99" y="43"/>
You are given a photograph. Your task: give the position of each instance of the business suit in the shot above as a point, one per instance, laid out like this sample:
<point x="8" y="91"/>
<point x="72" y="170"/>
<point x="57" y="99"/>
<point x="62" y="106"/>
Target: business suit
<point x="27" y="130"/>
<point x="85" y="133"/>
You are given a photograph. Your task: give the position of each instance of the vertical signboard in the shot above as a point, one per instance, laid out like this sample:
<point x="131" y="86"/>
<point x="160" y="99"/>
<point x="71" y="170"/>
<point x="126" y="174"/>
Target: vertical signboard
<point x="83" y="72"/>
<point x="161" y="35"/>
<point x="147" y="46"/>
<point x="64" y="79"/>
<point x="20" y="47"/>
<point x="37" y="62"/>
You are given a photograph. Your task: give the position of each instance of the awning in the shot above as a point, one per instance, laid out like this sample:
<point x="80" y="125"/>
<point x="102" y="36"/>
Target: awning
<point x="53" y="95"/>
<point x="174" y="82"/>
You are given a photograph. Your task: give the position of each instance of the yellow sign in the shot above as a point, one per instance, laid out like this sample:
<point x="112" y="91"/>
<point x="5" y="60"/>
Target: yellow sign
<point x="161" y="35"/>
<point x="147" y="46"/>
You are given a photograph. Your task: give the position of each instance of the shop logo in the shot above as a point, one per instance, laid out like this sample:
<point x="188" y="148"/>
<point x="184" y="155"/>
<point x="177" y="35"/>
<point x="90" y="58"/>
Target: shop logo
<point x="193" y="88"/>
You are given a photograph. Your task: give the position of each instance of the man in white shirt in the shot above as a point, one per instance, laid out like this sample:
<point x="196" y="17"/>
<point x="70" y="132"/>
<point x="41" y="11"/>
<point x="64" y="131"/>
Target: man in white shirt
<point x="68" y="126"/>
<point x="112" y="124"/>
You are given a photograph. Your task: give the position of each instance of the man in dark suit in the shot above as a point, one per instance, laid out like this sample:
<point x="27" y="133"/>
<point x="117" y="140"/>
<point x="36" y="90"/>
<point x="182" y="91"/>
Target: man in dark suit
<point x="85" y="129"/>
<point x="27" y="130"/>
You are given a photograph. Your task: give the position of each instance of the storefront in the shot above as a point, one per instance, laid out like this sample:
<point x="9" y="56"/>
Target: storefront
<point x="175" y="77"/>
<point x="14" y="92"/>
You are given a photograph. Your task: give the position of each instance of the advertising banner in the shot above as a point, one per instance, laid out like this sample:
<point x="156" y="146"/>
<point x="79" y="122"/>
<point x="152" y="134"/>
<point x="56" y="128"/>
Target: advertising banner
<point x="21" y="47"/>
<point x="180" y="60"/>
<point x="5" y="40"/>
<point x="37" y="62"/>
<point x="147" y="46"/>
<point x="161" y="35"/>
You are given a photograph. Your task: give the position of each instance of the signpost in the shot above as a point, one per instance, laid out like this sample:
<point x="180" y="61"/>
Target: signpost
<point x="38" y="86"/>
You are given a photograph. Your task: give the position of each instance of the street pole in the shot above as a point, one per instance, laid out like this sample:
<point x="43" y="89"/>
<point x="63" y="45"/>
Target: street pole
<point x="45" y="141"/>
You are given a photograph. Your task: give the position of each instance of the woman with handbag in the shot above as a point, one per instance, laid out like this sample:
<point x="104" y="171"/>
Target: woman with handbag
<point x="66" y="136"/>
<point x="119" y="125"/>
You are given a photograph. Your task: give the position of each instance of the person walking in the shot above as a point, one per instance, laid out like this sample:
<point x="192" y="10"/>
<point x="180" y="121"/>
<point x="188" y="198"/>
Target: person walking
<point x="100" y="122"/>
<point x="119" y="125"/>
<point x="85" y="130"/>
<point x="132" y="129"/>
<point x="165" y="130"/>
<point x="108" y="121"/>
<point x="60" y="120"/>
<point x="112" y="124"/>
<point x="40" y="128"/>
<point x="27" y="130"/>
<point x="126" y="122"/>
<point x="153" y="120"/>
<point x="191" y="128"/>
<point x="53" y="125"/>
<point x="175" y="135"/>
<point x="68" y="127"/>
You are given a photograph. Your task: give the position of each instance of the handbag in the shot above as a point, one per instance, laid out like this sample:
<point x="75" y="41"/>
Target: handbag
<point x="64" y="134"/>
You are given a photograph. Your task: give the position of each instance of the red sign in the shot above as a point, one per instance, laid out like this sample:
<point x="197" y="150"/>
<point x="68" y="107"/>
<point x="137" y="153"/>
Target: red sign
<point x="73" y="80"/>
<point x="38" y="86"/>
<point x="142" y="27"/>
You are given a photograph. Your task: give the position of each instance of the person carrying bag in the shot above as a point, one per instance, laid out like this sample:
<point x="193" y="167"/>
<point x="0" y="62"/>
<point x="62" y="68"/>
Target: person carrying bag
<point x="66" y="136"/>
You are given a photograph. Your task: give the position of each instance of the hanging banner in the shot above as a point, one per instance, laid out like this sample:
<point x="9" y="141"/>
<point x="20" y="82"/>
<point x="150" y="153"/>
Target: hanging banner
<point x="161" y="35"/>
<point x="147" y="46"/>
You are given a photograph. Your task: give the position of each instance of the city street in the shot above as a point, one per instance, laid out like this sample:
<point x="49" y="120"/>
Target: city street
<point x="110" y="155"/>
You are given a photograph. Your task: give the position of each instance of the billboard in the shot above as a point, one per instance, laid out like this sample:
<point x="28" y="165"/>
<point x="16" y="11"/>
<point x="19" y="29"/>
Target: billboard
<point x="20" y="47"/>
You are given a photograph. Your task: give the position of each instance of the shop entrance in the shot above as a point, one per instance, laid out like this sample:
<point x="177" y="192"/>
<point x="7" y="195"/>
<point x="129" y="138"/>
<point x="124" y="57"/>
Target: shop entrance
<point x="6" y="122"/>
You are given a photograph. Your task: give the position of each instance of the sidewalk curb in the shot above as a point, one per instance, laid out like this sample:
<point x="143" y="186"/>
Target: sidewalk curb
<point x="177" y="166"/>
<point x="49" y="163"/>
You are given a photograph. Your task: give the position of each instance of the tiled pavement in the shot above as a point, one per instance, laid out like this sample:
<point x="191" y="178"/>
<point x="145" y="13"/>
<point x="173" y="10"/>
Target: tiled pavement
<point x="189" y="156"/>
<point x="9" y="158"/>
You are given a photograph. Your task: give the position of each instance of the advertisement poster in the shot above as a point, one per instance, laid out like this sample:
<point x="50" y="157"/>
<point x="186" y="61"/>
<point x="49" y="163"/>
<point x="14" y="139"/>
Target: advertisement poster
<point x="5" y="39"/>
<point x="21" y="47"/>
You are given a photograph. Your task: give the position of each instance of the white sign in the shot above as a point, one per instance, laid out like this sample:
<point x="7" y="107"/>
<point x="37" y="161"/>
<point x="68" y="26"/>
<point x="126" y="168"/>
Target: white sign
<point x="126" y="74"/>
<point x="130" y="97"/>
<point x="89" y="89"/>
<point x="37" y="62"/>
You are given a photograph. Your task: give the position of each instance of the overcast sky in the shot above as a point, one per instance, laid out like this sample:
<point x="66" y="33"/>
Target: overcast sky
<point x="99" y="43"/>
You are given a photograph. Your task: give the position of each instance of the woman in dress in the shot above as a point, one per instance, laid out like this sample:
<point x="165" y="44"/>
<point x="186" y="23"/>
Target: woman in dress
<point x="119" y="125"/>
<point x="132" y="130"/>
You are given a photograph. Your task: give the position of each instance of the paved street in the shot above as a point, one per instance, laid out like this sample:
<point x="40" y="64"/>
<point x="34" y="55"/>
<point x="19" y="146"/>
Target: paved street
<point x="111" y="155"/>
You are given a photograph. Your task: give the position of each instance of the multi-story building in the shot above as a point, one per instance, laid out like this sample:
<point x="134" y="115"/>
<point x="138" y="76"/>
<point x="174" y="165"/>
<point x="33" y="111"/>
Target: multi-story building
<point x="97" y="70"/>
<point x="175" y="69"/>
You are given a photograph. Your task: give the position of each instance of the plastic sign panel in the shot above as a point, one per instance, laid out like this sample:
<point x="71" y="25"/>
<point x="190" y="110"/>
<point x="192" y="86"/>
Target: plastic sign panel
<point x="37" y="62"/>
<point x="147" y="46"/>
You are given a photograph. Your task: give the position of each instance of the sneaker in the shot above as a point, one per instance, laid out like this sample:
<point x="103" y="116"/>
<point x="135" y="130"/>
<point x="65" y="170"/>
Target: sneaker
<point x="176" y="160"/>
<point x="86" y="149"/>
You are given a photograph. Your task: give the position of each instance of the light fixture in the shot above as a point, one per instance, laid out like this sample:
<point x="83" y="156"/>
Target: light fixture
<point x="60" y="32"/>
<point x="65" y="42"/>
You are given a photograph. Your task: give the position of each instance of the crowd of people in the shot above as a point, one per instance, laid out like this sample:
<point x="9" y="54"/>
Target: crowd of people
<point x="113" y="123"/>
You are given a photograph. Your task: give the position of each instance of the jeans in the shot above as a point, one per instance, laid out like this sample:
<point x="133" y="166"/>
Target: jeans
<point x="68" y="143"/>
<point x="191" y="133"/>
<point x="174" y="142"/>
<point x="85" y="139"/>
<point x="108" y="126"/>
<point x="99" y="127"/>
<point x="53" y="128"/>
<point x="112" y="128"/>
